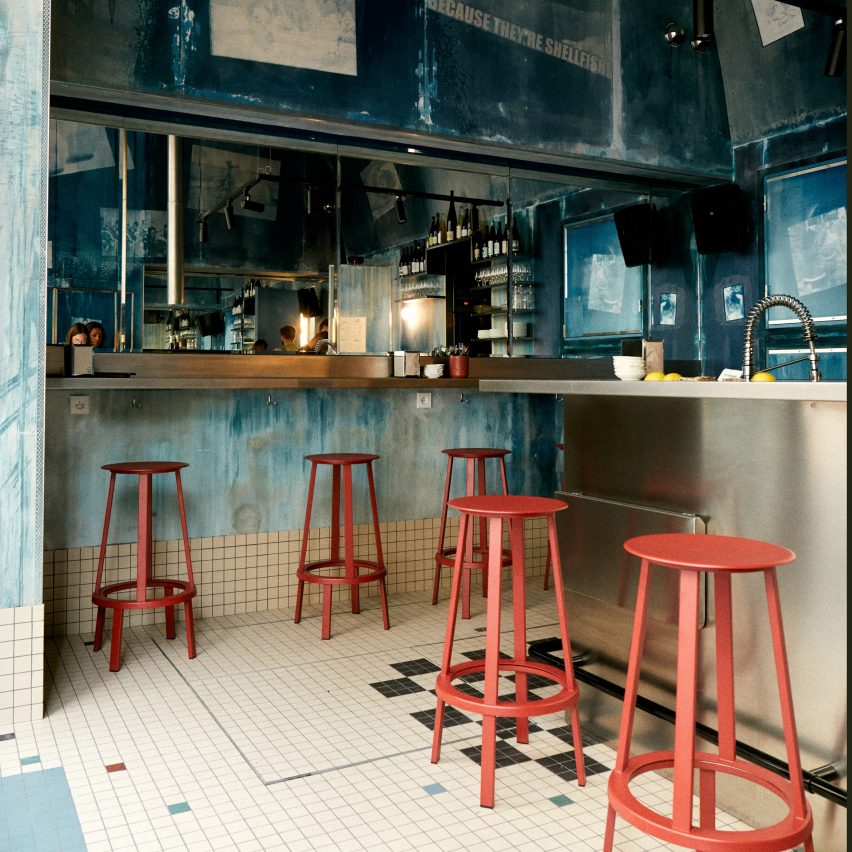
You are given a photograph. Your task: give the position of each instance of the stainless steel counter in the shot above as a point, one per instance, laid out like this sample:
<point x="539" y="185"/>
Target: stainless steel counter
<point x="801" y="391"/>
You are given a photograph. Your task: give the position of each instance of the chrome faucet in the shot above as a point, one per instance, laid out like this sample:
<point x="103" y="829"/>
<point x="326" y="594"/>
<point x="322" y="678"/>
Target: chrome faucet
<point x="809" y="334"/>
<point x="324" y="346"/>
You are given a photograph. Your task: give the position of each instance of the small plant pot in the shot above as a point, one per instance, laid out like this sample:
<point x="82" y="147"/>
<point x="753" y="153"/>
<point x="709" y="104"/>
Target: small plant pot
<point x="459" y="366"/>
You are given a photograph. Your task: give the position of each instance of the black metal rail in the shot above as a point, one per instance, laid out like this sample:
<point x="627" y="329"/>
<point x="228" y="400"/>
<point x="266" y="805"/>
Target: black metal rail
<point x="816" y="784"/>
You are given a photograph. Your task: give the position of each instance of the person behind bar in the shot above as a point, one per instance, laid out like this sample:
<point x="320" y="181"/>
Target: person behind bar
<point x="77" y="335"/>
<point x="288" y="339"/>
<point x="322" y="334"/>
<point x="97" y="334"/>
<point x="259" y="347"/>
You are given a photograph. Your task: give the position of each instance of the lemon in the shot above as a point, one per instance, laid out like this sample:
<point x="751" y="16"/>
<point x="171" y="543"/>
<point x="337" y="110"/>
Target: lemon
<point x="672" y="377"/>
<point x="654" y="376"/>
<point x="763" y="377"/>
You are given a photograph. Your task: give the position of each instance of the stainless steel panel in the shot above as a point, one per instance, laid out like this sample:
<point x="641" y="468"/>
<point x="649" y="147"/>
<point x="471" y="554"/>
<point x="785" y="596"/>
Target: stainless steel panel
<point x="601" y="577"/>
<point x="767" y="469"/>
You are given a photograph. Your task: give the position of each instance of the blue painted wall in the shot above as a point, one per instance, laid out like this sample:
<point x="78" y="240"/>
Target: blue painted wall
<point x="567" y="77"/>
<point x="247" y="470"/>
<point x="22" y="146"/>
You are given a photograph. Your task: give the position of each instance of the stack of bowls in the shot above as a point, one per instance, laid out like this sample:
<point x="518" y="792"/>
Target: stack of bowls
<point x="433" y="371"/>
<point x="629" y="368"/>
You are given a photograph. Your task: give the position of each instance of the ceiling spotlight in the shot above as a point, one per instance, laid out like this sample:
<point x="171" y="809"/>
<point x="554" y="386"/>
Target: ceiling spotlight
<point x="202" y="230"/>
<point x="674" y="35"/>
<point x="253" y="206"/>
<point x="399" y="203"/>
<point x="836" y="61"/>
<point x="229" y="216"/>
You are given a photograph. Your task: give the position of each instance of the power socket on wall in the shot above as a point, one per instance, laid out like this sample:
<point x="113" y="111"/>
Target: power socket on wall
<point x="80" y="404"/>
<point x="424" y="399"/>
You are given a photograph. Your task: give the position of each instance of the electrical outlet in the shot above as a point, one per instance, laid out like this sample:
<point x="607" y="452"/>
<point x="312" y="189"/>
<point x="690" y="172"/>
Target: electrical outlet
<point x="424" y="399"/>
<point x="80" y="404"/>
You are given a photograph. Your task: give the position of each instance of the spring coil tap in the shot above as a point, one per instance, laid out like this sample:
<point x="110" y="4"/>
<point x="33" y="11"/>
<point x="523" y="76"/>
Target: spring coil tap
<point x="809" y="333"/>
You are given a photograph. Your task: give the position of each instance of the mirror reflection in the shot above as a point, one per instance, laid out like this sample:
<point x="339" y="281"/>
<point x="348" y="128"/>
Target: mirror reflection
<point x="394" y="254"/>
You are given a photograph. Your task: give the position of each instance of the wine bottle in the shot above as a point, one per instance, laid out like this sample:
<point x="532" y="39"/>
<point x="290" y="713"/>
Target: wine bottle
<point x="452" y="222"/>
<point x="477" y="245"/>
<point x="420" y="258"/>
<point x="403" y="262"/>
<point x="492" y="246"/>
<point x="503" y="238"/>
<point x="516" y="237"/>
<point x="430" y="237"/>
<point x="442" y="230"/>
<point x="465" y="224"/>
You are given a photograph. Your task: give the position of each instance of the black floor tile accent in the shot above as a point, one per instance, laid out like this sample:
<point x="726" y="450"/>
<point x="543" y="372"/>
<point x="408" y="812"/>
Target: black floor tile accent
<point x="565" y="766"/>
<point x="507" y="755"/>
<point x="506" y="728"/>
<point x="416" y="667"/>
<point x="563" y="732"/>
<point x="452" y="717"/>
<point x="480" y="655"/>
<point x="535" y="681"/>
<point x="399" y="686"/>
<point x="7" y="737"/>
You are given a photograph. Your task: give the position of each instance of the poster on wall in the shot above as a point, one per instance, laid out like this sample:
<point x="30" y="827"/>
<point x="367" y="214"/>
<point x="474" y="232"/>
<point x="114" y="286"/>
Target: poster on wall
<point x="315" y="34"/>
<point x="146" y="233"/>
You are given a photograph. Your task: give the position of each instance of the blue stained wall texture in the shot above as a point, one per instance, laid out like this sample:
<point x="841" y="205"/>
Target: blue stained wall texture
<point x="247" y="468"/>
<point x="21" y="286"/>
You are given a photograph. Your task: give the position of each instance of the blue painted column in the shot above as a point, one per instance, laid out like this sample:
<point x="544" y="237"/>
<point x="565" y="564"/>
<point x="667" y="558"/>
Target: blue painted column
<point x="24" y="35"/>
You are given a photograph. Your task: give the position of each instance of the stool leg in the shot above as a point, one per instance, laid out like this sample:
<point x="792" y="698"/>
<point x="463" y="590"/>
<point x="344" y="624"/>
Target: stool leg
<point x="380" y="556"/>
<point x="304" y="551"/>
<point x="99" y="620"/>
<point x="469" y="543"/>
<point x="144" y="549"/>
<point x="326" y="612"/>
<point x="335" y="513"/>
<point x="182" y="510"/>
<point x="452" y="617"/>
<point x="436" y="584"/>
<point x="170" y="614"/>
<point x="519" y="612"/>
<point x="798" y="806"/>
<point x="687" y="687"/>
<point x="190" y="629"/>
<point x="570" y="680"/>
<point x="483" y="541"/>
<point x="492" y="661"/>
<point x="631" y="687"/>
<point x="115" y="643"/>
<point x="349" y="538"/>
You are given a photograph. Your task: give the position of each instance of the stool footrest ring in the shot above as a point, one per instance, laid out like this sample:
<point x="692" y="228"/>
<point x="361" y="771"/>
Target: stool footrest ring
<point x="783" y="835"/>
<point x="375" y="572"/>
<point x="102" y="597"/>
<point x="447" y="557"/>
<point x="534" y="706"/>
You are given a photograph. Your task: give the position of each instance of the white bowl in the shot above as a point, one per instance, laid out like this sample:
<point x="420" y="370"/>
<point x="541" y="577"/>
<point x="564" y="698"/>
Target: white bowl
<point x="628" y="360"/>
<point x="630" y="374"/>
<point x="433" y="371"/>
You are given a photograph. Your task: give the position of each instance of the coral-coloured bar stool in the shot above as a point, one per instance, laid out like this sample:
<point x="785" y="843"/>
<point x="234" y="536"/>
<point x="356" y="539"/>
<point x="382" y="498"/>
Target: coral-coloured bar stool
<point x="475" y="550"/>
<point x="722" y="556"/>
<point x="547" y="564"/>
<point x="174" y="591"/>
<point x="499" y="510"/>
<point x="317" y="571"/>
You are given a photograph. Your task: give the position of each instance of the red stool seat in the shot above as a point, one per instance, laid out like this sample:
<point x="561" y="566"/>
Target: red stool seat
<point x="353" y="576"/>
<point x="475" y="548"/>
<point x="497" y="510"/>
<point x="174" y="591"/>
<point x="722" y="556"/>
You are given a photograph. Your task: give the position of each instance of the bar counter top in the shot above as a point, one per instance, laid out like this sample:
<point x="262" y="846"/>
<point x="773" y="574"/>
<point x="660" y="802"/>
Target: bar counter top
<point x="800" y="391"/>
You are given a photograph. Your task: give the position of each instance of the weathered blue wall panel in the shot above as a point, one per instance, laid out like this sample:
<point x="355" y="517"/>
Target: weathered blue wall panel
<point x="22" y="193"/>
<point x="568" y="78"/>
<point x="247" y="470"/>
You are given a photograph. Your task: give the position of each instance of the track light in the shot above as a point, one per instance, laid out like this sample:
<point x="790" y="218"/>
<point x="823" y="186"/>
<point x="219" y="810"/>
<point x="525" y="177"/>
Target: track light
<point x="202" y="231"/>
<point x="702" y="24"/>
<point x="229" y="216"/>
<point x="836" y="61"/>
<point x="400" y="210"/>
<point x="253" y="206"/>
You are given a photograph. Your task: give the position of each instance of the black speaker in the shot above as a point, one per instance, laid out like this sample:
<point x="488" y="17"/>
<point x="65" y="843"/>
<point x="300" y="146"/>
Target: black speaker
<point x="634" y="226"/>
<point x="718" y="220"/>
<point x="309" y="305"/>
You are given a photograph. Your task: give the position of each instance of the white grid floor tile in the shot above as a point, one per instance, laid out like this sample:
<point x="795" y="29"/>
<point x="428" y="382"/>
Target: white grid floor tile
<point x="273" y="739"/>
